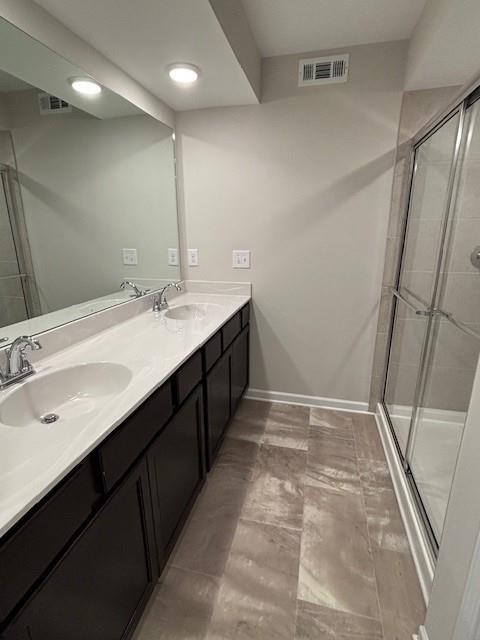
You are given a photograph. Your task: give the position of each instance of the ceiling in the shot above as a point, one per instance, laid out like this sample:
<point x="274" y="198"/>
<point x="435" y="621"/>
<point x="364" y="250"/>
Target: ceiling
<point x="11" y="83"/>
<point x="286" y="26"/>
<point x="142" y="38"/>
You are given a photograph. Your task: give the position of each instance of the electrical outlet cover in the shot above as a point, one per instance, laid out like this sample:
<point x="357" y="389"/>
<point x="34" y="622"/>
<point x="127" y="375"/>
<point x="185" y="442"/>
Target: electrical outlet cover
<point x="173" y="257"/>
<point x="130" y="256"/>
<point x="193" y="257"/>
<point x="241" y="259"/>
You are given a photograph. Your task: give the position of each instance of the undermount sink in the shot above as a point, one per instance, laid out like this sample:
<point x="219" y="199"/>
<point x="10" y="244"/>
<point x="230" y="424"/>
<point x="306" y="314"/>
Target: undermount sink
<point x="64" y="394"/>
<point x="195" y="311"/>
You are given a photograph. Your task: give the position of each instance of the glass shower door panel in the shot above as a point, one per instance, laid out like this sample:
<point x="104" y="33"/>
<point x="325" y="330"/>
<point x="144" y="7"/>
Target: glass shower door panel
<point x="12" y="301"/>
<point x="453" y="354"/>
<point x="440" y="417"/>
<point x="433" y="162"/>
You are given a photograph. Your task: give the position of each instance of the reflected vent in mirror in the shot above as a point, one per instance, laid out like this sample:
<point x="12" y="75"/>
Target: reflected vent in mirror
<point x="325" y="70"/>
<point x="52" y="104"/>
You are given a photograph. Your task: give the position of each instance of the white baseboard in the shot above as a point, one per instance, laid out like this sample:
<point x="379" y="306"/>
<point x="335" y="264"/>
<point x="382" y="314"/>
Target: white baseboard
<point x="307" y="401"/>
<point x="417" y="538"/>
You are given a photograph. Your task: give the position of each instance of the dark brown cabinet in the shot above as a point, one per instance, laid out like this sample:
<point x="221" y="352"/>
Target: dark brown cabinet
<point x="239" y="368"/>
<point x="33" y="545"/>
<point x="218" y="404"/>
<point x="177" y="471"/>
<point x="82" y="564"/>
<point x="225" y="384"/>
<point x="99" y="588"/>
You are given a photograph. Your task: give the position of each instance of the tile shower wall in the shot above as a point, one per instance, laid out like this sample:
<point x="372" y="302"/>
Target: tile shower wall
<point x="417" y="109"/>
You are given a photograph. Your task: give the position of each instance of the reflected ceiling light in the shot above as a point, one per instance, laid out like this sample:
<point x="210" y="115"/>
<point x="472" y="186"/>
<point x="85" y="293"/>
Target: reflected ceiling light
<point x="183" y="73"/>
<point x="86" y="86"/>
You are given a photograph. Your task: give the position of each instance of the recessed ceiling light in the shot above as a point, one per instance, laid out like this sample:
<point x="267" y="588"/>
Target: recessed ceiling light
<point x="87" y="86"/>
<point x="183" y="73"/>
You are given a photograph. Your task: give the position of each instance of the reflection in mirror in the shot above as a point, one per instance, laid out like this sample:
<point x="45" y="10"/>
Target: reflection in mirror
<point x="87" y="194"/>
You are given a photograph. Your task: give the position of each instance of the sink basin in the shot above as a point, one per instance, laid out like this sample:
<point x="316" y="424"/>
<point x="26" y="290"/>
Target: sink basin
<point x="196" y="311"/>
<point x="69" y="393"/>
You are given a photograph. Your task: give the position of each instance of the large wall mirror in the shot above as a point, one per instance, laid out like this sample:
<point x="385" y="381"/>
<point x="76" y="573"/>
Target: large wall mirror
<point x="87" y="193"/>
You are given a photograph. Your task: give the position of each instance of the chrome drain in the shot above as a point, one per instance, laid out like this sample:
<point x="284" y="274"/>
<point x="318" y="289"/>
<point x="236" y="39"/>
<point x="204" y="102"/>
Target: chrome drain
<point x="48" y="418"/>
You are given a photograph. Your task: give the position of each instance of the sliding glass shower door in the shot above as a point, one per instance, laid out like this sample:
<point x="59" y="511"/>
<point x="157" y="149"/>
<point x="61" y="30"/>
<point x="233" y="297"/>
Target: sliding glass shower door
<point x="424" y="233"/>
<point x="435" y="340"/>
<point x="454" y="346"/>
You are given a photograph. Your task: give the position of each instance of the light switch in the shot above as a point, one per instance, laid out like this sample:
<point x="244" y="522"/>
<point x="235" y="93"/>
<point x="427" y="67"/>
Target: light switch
<point x="130" y="256"/>
<point x="241" y="259"/>
<point x="193" y="257"/>
<point x="173" y="257"/>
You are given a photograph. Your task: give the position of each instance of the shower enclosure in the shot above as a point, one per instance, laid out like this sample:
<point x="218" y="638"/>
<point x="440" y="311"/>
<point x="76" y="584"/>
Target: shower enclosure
<point x="435" y="329"/>
<point x="18" y="292"/>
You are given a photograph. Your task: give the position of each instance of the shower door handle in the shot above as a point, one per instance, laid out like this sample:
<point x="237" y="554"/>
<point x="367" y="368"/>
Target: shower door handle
<point x="418" y="312"/>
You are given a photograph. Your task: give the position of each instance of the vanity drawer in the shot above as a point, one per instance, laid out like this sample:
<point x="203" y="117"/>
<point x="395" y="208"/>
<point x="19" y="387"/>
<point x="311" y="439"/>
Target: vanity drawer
<point x="125" y="445"/>
<point x="245" y="313"/>
<point x="27" y="553"/>
<point x="231" y="329"/>
<point x="188" y="376"/>
<point x="212" y="351"/>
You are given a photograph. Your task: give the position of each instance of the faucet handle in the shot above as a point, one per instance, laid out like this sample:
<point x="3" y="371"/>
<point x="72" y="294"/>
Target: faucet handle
<point x="33" y="344"/>
<point x="22" y="343"/>
<point x="139" y="292"/>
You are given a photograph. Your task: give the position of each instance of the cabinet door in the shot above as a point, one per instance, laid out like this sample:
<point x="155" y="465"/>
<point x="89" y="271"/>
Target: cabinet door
<point x="177" y="470"/>
<point x="239" y="367"/>
<point x="100" y="587"/>
<point x="218" y="403"/>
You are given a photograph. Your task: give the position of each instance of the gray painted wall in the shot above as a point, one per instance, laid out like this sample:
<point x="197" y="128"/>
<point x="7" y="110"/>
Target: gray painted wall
<point x="303" y="180"/>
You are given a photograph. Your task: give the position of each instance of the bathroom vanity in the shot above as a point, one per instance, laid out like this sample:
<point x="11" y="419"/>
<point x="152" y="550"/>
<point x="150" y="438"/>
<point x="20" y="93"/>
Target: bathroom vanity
<point x="86" y="541"/>
<point x="104" y="448"/>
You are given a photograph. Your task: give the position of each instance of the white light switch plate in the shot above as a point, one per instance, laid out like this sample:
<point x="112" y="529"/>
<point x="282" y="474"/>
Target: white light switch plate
<point x="173" y="257"/>
<point x="193" y="257"/>
<point x="241" y="259"/>
<point x="130" y="256"/>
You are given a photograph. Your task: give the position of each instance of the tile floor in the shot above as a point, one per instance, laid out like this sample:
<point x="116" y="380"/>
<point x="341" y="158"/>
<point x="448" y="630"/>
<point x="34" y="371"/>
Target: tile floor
<point x="297" y="536"/>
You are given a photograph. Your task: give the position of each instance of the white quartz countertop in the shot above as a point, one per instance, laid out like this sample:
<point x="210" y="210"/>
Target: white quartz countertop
<point x="34" y="458"/>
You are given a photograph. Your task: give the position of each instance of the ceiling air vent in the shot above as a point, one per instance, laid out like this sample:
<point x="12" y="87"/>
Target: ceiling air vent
<point x="52" y="104"/>
<point x="327" y="70"/>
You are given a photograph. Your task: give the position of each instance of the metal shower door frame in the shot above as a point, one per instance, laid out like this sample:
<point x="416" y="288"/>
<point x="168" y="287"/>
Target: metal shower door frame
<point x="430" y="311"/>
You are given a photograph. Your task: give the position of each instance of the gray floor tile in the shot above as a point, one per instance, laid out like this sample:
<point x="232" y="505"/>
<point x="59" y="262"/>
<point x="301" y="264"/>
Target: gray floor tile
<point x="385" y="525"/>
<point x="275" y="495"/>
<point x="257" y="593"/>
<point x="287" y="426"/>
<point x="367" y="438"/>
<point x="205" y="542"/>
<point x="336" y="566"/>
<point x="329" y="421"/>
<point x="180" y="608"/>
<point x="315" y="622"/>
<point x="249" y="421"/>
<point x="332" y="463"/>
<point x="401" y="601"/>
<point x="236" y="458"/>
<point x="276" y="522"/>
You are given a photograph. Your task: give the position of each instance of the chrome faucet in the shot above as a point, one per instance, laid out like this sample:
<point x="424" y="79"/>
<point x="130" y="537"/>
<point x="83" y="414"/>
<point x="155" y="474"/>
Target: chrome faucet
<point x="138" y="291"/>
<point x="17" y="366"/>
<point x="160" y="299"/>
